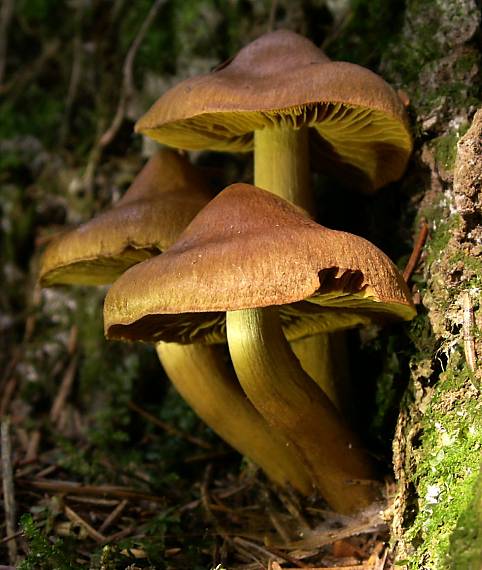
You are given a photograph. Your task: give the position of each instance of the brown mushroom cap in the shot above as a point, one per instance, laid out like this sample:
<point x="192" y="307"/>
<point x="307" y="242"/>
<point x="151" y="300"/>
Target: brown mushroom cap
<point x="248" y="248"/>
<point x="162" y="200"/>
<point x="284" y="79"/>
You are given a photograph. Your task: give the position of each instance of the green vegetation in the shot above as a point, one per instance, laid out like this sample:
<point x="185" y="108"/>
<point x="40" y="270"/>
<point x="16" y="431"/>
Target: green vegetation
<point x="448" y="465"/>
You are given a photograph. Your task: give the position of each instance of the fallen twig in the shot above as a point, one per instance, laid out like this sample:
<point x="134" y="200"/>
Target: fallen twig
<point x="64" y="390"/>
<point x="8" y="489"/>
<point x="317" y="539"/>
<point x="6" y="13"/>
<point x="71" y="488"/>
<point x="416" y="252"/>
<point x="168" y="427"/>
<point x="113" y="516"/>
<point x="77" y="519"/>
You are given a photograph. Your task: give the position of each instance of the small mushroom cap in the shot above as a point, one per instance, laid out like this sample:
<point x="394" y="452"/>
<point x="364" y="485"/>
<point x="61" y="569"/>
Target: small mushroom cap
<point x="160" y="203"/>
<point x="284" y="79"/>
<point x="248" y="248"/>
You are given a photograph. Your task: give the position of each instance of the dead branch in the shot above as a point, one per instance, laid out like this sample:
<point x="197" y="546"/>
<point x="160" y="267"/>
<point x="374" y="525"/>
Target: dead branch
<point x="113" y="516"/>
<point x="8" y="489"/>
<point x="468" y="332"/>
<point x="416" y="252"/>
<point x="77" y="519"/>
<point x="64" y="390"/>
<point x="168" y="428"/>
<point x="6" y="13"/>
<point x="72" y="488"/>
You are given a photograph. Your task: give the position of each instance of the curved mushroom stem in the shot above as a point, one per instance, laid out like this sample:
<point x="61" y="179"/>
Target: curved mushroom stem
<point x="274" y="381"/>
<point x="202" y="377"/>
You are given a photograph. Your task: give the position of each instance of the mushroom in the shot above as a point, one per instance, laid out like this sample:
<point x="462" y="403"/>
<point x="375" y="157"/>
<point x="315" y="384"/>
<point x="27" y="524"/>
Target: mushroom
<point x="228" y="271"/>
<point x="276" y="92"/>
<point x="279" y="96"/>
<point x="163" y="198"/>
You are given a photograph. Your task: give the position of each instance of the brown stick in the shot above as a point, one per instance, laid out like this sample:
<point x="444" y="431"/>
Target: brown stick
<point x="71" y="488"/>
<point x="33" y="445"/>
<point x="6" y="13"/>
<point x="468" y="332"/>
<point x="8" y="489"/>
<point x="416" y="252"/>
<point x="75" y="518"/>
<point x="127" y="88"/>
<point x="7" y="395"/>
<point x="168" y="428"/>
<point x="64" y="390"/>
<point x="114" y="515"/>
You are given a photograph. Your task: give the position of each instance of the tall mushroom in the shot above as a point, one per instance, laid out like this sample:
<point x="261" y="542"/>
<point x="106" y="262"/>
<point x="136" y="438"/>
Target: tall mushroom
<point x="276" y="93"/>
<point x="164" y="197"/>
<point x="282" y="97"/>
<point x="229" y="260"/>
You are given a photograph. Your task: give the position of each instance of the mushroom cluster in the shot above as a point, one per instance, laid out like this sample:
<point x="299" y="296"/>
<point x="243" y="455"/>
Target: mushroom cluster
<point x="162" y="200"/>
<point x="251" y="267"/>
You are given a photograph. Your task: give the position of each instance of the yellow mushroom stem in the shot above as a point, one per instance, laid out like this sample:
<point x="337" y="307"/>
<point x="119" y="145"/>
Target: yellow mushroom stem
<point x="324" y="358"/>
<point x="282" y="166"/>
<point x="286" y="396"/>
<point x="202" y="377"/>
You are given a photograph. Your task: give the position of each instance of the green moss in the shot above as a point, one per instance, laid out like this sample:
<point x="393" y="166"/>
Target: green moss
<point x="472" y="267"/>
<point x="372" y="26"/>
<point x="466" y="541"/>
<point x="448" y="466"/>
<point x="446" y="150"/>
<point x="428" y="59"/>
<point x="441" y="228"/>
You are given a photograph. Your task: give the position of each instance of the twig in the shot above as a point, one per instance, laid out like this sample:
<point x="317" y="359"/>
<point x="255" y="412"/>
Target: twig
<point x="114" y="515"/>
<point x="276" y="566"/>
<point x="293" y="509"/>
<point x="11" y="537"/>
<point x="75" y="518"/>
<point x="468" y="332"/>
<point x="168" y="428"/>
<point x="7" y="395"/>
<point x="8" y="489"/>
<point x="355" y="527"/>
<point x="127" y="90"/>
<point x="71" y="488"/>
<point x="46" y="471"/>
<point x="93" y="501"/>
<point x="75" y="74"/>
<point x="268" y="552"/>
<point x="416" y="252"/>
<point x="6" y="13"/>
<point x="64" y="390"/>
<point x="33" y="445"/>
<point x="121" y="534"/>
